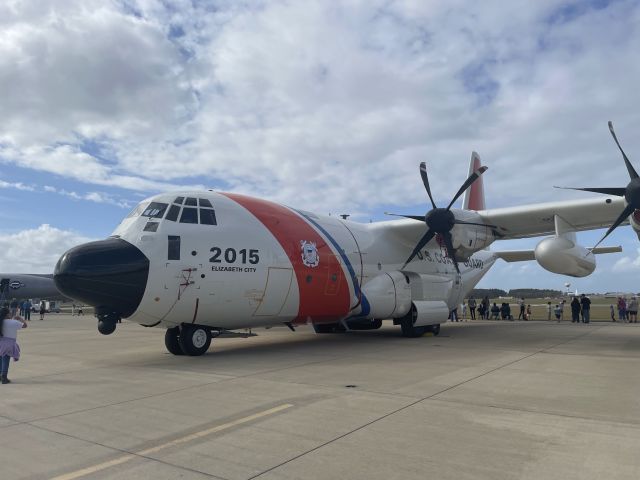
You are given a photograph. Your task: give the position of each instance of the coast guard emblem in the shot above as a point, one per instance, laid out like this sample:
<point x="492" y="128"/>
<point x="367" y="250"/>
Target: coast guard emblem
<point x="310" y="255"/>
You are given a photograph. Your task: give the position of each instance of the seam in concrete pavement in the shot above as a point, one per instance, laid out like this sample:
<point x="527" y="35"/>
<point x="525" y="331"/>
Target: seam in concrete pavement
<point x="627" y="423"/>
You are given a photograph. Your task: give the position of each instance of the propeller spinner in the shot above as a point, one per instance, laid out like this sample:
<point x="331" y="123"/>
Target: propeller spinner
<point x="441" y="220"/>
<point x="631" y="192"/>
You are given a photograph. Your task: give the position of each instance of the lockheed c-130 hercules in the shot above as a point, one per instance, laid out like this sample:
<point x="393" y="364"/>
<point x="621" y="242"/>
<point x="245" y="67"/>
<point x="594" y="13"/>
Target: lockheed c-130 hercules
<point x="203" y="262"/>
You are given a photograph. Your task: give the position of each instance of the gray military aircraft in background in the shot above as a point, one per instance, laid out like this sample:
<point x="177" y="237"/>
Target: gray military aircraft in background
<point x="23" y="285"/>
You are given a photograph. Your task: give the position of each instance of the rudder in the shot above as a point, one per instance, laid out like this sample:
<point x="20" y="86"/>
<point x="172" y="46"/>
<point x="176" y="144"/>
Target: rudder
<point x="474" y="196"/>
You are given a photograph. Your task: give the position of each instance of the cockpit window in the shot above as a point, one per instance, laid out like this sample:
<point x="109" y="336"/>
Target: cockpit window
<point x="151" y="227"/>
<point x="189" y="215"/>
<point x="155" y="210"/>
<point x="207" y="216"/>
<point x="138" y="210"/>
<point x="174" y="211"/>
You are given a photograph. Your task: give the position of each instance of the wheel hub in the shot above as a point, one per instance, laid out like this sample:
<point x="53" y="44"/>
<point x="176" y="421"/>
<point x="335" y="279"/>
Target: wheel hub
<point x="199" y="338"/>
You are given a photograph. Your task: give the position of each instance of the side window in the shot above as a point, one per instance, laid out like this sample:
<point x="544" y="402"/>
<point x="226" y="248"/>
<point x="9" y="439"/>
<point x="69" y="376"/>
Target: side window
<point x="179" y="200"/>
<point x="189" y="215"/>
<point x="173" y="251"/>
<point x="151" y="227"/>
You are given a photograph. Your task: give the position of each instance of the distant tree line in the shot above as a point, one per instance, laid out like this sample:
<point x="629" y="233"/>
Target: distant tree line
<point x="515" y="292"/>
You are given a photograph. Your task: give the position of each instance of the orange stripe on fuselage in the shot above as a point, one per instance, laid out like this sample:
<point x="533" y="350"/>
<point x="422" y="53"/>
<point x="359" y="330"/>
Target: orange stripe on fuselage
<point x="324" y="290"/>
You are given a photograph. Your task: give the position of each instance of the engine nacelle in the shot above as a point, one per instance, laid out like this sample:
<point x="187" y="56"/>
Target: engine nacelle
<point x="563" y="256"/>
<point x="468" y="239"/>
<point x="634" y="220"/>
<point x="389" y="295"/>
<point x="430" y="312"/>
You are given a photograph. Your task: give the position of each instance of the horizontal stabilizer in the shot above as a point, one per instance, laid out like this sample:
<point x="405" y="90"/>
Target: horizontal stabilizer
<point x="527" y="255"/>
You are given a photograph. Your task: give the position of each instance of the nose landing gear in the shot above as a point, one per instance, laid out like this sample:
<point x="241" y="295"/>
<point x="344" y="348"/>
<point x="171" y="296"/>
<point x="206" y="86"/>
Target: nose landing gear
<point x="107" y="320"/>
<point x="192" y="340"/>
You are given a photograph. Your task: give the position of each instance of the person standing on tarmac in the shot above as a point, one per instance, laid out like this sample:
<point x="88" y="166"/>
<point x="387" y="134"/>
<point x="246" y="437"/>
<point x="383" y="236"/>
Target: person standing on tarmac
<point x="575" y="310"/>
<point x="27" y="310"/>
<point x="585" y="303"/>
<point x="523" y="314"/>
<point x="472" y="308"/>
<point x="8" y="345"/>
<point x="632" y="310"/>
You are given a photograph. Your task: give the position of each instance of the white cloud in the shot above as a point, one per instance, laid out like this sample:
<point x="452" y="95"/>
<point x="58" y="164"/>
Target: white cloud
<point x="627" y="264"/>
<point x="97" y="197"/>
<point x="16" y="185"/>
<point x="36" y="250"/>
<point x="326" y="104"/>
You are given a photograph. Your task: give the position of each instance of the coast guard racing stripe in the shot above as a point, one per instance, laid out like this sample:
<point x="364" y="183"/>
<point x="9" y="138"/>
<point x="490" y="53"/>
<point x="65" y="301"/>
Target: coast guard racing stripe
<point x="324" y="289"/>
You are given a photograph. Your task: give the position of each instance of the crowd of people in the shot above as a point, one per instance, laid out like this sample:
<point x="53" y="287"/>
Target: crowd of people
<point x="627" y="310"/>
<point x="580" y="307"/>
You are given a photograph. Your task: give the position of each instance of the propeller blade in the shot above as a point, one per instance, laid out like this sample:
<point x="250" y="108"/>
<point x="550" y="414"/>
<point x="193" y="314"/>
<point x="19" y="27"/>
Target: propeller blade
<point x="446" y="236"/>
<point x="412" y="217"/>
<point x="425" y="180"/>
<point x="462" y="222"/>
<point x="426" y="238"/>
<point x="472" y="178"/>
<point x="619" y="192"/>
<point x="632" y="171"/>
<point x="628" y="210"/>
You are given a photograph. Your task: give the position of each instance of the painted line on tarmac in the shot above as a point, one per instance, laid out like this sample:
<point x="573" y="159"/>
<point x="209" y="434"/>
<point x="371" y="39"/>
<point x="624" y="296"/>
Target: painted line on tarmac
<point x="178" y="441"/>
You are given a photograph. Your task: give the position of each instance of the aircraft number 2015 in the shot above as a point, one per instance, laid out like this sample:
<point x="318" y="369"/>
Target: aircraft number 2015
<point x="230" y="255"/>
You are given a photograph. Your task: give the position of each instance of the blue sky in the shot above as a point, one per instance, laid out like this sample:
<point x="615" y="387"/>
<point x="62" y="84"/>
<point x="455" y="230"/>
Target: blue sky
<point x="326" y="106"/>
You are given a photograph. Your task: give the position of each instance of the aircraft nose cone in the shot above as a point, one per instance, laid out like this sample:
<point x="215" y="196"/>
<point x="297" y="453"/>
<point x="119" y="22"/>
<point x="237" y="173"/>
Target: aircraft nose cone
<point x="108" y="274"/>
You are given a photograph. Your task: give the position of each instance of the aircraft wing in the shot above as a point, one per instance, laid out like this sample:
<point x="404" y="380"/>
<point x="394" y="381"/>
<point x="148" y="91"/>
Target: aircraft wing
<point x="538" y="219"/>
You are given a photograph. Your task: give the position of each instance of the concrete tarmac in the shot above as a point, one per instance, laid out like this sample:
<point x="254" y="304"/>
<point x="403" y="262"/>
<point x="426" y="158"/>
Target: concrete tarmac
<point x="484" y="400"/>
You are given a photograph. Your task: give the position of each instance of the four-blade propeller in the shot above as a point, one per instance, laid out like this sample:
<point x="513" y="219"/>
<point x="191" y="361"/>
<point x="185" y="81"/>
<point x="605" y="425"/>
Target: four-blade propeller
<point x="631" y="192"/>
<point x="441" y="220"/>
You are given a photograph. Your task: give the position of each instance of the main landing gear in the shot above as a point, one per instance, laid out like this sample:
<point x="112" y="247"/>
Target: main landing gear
<point x="192" y="340"/>
<point x="410" y="330"/>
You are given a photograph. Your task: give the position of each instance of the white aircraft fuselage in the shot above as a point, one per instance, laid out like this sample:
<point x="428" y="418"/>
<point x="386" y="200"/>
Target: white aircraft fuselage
<point x="264" y="264"/>
<point x="229" y="261"/>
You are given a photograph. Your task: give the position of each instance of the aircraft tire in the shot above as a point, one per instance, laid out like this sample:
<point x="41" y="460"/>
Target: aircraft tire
<point x="106" y="327"/>
<point x="194" y="340"/>
<point x="409" y="330"/>
<point x="171" y="341"/>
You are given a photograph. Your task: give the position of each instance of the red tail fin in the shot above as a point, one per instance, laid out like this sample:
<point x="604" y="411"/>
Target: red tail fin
<point x="474" y="197"/>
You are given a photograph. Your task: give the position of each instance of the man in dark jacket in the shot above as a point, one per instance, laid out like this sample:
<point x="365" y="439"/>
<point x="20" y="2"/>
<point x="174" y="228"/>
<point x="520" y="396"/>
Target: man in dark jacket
<point x="585" y="303"/>
<point x="575" y="310"/>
